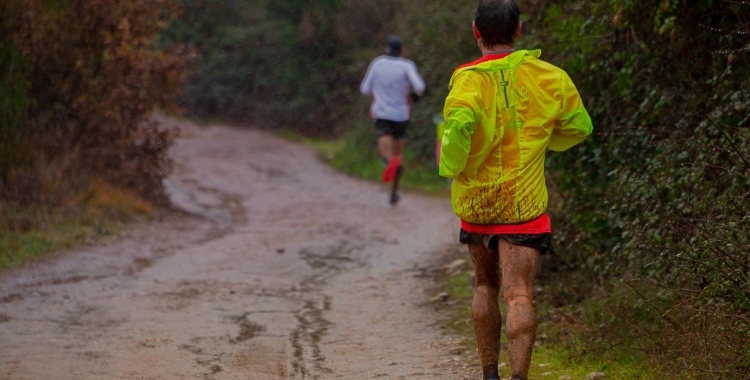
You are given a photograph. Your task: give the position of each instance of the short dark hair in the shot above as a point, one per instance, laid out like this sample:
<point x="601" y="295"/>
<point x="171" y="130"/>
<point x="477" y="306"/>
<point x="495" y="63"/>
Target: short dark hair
<point x="497" y="21"/>
<point x="393" y="46"/>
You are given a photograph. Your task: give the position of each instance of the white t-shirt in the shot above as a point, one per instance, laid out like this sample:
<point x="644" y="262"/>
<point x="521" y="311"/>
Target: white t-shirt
<point x="388" y="81"/>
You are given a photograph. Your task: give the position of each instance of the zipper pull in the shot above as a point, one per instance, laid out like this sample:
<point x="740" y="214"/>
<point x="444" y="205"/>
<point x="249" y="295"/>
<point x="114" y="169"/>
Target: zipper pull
<point x="505" y="84"/>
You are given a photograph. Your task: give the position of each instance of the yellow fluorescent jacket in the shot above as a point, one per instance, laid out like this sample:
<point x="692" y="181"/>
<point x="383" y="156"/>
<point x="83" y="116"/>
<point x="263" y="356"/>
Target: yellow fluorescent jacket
<point x="502" y="115"/>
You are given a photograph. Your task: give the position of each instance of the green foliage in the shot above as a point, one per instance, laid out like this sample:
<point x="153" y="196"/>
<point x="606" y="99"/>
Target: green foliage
<point x="14" y="100"/>
<point x="278" y="64"/>
<point x="659" y="197"/>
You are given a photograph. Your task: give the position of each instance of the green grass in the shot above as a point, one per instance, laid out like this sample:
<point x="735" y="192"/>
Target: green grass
<point x="34" y="232"/>
<point x="550" y="362"/>
<point x="552" y="358"/>
<point x="46" y="232"/>
<point x="417" y="175"/>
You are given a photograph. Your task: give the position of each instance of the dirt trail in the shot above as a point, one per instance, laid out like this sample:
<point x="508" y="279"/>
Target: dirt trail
<point x="283" y="269"/>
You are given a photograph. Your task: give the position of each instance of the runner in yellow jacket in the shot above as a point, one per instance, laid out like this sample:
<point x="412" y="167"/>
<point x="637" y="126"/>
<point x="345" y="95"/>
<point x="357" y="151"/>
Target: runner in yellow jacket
<point x="503" y="112"/>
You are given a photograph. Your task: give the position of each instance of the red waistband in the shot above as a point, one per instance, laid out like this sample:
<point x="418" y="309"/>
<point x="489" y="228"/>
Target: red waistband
<point x="540" y="225"/>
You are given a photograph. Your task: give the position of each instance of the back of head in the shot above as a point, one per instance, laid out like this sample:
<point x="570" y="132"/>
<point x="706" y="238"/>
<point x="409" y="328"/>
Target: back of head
<point x="393" y="46"/>
<point x="497" y="21"/>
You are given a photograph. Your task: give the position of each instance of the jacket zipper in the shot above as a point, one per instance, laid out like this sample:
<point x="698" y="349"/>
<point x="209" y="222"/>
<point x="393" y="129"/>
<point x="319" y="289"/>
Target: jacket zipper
<point x="504" y="84"/>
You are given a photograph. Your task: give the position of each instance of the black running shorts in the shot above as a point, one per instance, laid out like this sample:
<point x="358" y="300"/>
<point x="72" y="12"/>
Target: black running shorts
<point x="542" y="242"/>
<point x="396" y="129"/>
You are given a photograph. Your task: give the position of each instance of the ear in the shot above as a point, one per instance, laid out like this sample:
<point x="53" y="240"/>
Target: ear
<point x="476" y="31"/>
<point x="518" y="30"/>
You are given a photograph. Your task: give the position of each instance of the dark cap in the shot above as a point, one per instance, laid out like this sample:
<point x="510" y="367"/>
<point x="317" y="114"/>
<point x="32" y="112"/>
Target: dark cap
<point x="393" y="47"/>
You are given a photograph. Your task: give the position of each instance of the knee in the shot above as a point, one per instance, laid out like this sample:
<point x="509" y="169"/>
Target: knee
<point x="515" y="296"/>
<point x="487" y="290"/>
<point x="488" y="285"/>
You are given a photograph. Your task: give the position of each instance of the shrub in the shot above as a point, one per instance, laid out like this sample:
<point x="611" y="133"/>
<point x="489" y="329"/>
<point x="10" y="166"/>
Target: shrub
<point x="659" y="197"/>
<point x="80" y="105"/>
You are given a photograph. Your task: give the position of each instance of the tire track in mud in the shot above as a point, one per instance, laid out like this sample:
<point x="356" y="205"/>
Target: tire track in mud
<point x="308" y="361"/>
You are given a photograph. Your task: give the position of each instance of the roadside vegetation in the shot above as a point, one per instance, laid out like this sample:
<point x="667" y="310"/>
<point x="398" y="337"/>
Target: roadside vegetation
<point x="558" y="321"/>
<point x="79" y="153"/>
<point x="651" y="214"/>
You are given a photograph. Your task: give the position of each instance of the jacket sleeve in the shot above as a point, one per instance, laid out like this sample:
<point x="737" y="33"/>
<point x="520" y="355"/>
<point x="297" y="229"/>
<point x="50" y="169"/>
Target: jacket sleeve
<point x="460" y="110"/>
<point x="574" y="124"/>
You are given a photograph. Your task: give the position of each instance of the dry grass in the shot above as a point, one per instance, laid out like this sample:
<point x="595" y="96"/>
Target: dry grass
<point x="105" y="199"/>
<point x="33" y="232"/>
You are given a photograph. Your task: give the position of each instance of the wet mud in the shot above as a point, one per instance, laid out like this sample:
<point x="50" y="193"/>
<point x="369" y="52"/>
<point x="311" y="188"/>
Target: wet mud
<point x="272" y="266"/>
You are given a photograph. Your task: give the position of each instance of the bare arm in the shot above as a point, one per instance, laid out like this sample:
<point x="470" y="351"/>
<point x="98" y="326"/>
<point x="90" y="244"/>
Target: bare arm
<point x="416" y="81"/>
<point x="366" y="86"/>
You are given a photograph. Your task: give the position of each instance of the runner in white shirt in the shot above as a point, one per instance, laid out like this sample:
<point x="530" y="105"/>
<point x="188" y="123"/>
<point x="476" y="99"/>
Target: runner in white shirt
<point x="389" y="81"/>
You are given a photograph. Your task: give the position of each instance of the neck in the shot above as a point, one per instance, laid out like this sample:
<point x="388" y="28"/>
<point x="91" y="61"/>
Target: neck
<point x="504" y="48"/>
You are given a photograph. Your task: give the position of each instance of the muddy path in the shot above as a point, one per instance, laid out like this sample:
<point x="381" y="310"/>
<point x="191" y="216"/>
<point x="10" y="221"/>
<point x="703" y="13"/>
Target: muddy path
<point x="278" y="268"/>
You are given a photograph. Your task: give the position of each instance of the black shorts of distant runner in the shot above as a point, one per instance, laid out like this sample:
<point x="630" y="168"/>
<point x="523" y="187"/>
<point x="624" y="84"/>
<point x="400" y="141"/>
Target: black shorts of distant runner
<point x="395" y="129"/>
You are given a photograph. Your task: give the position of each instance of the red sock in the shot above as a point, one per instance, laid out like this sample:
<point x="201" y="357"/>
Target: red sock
<point x="390" y="171"/>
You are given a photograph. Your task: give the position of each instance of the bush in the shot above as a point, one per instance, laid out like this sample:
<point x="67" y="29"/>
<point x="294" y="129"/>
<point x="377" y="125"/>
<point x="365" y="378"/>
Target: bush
<point x="659" y="197"/>
<point x="85" y="78"/>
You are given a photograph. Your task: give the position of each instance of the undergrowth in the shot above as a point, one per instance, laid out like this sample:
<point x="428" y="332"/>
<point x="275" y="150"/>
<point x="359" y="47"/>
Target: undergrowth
<point x="562" y="335"/>
<point x="33" y="232"/>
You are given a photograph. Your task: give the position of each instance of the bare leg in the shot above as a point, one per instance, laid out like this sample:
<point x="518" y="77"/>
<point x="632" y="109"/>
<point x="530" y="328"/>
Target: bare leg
<point x="485" y="309"/>
<point x="398" y="147"/>
<point x="519" y="270"/>
<point x="386" y="147"/>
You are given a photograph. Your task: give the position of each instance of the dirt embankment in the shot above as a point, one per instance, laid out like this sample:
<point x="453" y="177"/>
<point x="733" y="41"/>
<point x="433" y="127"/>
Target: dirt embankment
<point x="280" y="268"/>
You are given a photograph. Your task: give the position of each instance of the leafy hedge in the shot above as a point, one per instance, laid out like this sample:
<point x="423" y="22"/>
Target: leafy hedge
<point x="659" y="197"/>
